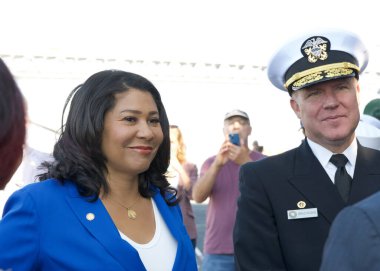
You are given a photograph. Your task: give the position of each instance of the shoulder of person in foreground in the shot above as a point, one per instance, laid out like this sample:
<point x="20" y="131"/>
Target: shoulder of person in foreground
<point x="354" y="239"/>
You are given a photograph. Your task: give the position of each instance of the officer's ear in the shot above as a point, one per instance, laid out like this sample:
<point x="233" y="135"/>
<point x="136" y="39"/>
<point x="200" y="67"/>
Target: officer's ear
<point x="294" y="104"/>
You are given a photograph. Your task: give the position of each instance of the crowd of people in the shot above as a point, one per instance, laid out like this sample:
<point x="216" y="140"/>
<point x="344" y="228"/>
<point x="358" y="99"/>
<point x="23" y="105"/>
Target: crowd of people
<point x="117" y="192"/>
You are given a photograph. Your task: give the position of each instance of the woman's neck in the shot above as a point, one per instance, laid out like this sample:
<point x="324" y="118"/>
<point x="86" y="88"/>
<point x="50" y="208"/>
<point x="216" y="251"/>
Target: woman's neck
<point x="122" y="188"/>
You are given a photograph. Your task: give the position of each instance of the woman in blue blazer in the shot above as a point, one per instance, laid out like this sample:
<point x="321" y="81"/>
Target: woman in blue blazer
<point x="105" y="203"/>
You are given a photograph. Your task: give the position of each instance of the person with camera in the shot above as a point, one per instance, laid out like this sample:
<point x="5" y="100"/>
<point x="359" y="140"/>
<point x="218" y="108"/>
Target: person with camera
<point x="218" y="181"/>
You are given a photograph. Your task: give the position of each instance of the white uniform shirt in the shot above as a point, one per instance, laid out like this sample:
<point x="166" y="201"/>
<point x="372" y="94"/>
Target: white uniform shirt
<point x="323" y="155"/>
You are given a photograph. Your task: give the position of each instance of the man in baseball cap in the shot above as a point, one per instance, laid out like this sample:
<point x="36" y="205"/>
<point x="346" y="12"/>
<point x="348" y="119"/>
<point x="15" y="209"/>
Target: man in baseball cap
<point x="218" y="181"/>
<point x="236" y="112"/>
<point x="288" y="201"/>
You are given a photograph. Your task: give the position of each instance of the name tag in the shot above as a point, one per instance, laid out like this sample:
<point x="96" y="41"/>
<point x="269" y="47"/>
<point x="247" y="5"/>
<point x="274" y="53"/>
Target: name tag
<point x="302" y="213"/>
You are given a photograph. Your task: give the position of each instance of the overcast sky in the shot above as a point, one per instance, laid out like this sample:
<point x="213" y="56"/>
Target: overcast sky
<point x="201" y="31"/>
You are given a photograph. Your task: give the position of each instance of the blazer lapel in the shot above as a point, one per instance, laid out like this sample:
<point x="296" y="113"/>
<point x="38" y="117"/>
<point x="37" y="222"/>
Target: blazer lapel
<point x="171" y="222"/>
<point x="96" y="219"/>
<point x="312" y="181"/>
<point x="366" y="179"/>
<point x="171" y="217"/>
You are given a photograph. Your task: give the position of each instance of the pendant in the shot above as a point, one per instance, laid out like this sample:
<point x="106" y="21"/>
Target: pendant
<point x="132" y="214"/>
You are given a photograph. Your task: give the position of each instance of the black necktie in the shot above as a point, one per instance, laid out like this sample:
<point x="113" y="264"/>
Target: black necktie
<point x="342" y="178"/>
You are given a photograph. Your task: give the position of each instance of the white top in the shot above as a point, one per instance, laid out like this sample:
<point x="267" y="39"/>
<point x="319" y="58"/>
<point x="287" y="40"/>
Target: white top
<point x="160" y="252"/>
<point x="323" y="155"/>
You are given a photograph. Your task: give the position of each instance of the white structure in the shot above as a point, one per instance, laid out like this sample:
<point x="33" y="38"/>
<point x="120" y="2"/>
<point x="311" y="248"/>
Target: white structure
<point x="196" y="96"/>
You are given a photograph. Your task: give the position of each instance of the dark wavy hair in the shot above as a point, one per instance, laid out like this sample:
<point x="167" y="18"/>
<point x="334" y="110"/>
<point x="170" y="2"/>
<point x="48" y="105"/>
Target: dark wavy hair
<point x="78" y="154"/>
<point x="12" y="125"/>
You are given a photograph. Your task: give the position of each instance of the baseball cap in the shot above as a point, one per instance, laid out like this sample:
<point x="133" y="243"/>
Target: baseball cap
<point x="236" y="112"/>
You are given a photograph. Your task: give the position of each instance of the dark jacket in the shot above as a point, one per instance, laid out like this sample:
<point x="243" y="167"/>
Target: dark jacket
<point x="264" y="237"/>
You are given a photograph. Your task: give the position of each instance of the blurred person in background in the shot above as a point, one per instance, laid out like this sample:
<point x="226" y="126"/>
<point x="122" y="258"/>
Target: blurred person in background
<point x="257" y="147"/>
<point x="368" y="130"/>
<point x="28" y="170"/>
<point x="104" y="203"/>
<point x="182" y="175"/>
<point x="371" y="112"/>
<point x="12" y="125"/>
<point x="219" y="182"/>
<point x="18" y="162"/>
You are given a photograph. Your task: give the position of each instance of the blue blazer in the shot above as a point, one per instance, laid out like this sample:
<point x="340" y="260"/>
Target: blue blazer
<point x="354" y="240"/>
<point x="44" y="227"/>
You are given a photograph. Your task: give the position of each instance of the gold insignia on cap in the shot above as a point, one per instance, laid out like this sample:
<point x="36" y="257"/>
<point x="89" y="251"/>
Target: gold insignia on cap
<point x="301" y="204"/>
<point x="315" y="48"/>
<point x="307" y="80"/>
<point x="309" y="76"/>
<point x="90" y="216"/>
<point x="338" y="72"/>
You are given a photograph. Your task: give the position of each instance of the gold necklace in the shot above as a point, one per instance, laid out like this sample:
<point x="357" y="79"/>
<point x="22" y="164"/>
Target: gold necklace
<point x="131" y="213"/>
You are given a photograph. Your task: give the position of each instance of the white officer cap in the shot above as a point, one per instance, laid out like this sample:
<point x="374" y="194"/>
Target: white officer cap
<point x="317" y="57"/>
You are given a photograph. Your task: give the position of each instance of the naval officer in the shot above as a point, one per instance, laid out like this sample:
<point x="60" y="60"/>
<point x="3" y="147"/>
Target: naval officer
<point x="288" y="201"/>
